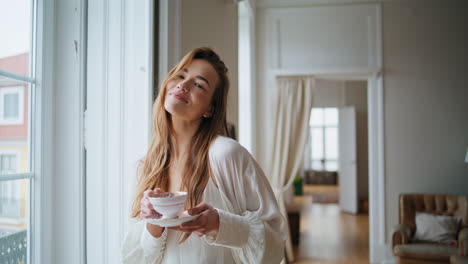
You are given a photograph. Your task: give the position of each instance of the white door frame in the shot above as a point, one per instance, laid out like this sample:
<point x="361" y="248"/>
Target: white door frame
<point x="378" y="249"/>
<point x="373" y="76"/>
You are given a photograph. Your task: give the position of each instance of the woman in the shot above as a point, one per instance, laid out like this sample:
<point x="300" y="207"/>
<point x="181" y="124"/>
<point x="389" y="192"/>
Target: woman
<point x="239" y="219"/>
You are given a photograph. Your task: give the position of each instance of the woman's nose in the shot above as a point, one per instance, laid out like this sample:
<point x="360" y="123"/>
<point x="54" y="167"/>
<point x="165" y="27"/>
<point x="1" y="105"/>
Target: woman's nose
<point x="183" y="86"/>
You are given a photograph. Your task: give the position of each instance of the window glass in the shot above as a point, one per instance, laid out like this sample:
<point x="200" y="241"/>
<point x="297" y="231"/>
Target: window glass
<point x="331" y="143"/>
<point x="316" y="117"/>
<point x="14" y="127"/>
<point x="331" y="165"/>
<point x="15" y="29"/>
<point x="331" y="116"/>
<point x="317" y="165"/>
<point x="317" y="143"/>
<point x="16" y="84"/>
<point x="323" y="142"/>
<point x="11" y="105"/>
<point x="14" y="215"/>
<point x="8" y="163"/>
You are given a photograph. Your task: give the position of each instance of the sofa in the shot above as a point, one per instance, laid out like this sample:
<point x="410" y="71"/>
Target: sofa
<point x="408" y="251"/>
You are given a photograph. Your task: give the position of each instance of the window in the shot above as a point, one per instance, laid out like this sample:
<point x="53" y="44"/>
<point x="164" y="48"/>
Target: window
<point x="11" y="105"/>
<point x="323" y="139"/>
<point x="8" y="163"/>
<point x="10" y="191"/>
<point x="17" y="84"/>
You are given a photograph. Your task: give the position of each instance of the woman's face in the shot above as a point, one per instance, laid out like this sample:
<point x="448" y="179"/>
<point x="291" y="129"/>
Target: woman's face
<point x="189" y="93"/>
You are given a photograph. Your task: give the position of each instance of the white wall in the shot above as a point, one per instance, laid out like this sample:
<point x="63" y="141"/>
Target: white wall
<point x="329" y="93"/>
<point x="213" y="23"/>
<point x="318" y="37"/>
<point x="426" y="99"/>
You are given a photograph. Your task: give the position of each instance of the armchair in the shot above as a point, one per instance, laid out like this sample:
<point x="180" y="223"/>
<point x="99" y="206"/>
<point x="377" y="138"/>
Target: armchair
<point x="409" y="252"/>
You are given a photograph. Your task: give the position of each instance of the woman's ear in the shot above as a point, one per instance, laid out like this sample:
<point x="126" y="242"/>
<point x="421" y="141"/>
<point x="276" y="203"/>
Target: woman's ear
<point x="208" y="113"/>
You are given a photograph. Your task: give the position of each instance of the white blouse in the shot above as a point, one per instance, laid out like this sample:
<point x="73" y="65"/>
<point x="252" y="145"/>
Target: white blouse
<point x="251" y="229"/>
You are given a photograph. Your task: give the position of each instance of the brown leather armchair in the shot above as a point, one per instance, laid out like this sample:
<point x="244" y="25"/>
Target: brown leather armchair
<point x="407" y="251"/>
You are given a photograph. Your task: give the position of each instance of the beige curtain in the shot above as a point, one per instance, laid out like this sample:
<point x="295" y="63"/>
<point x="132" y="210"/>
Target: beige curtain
<point x="293" y="105"/>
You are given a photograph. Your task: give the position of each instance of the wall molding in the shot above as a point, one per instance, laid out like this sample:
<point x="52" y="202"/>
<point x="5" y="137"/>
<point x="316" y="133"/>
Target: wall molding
<point x="246" y="76"/>
<point x="371" y="73"/>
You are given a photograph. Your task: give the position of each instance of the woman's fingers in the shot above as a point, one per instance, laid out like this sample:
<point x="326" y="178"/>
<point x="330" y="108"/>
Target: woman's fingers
<point x="199" y="222"/>
<point x="147" y="193"/>
<point x="158" y="190"/>
<point x="146" y="208"/>
<point x="199" y="209"/>
<point x="199" y="230"/>
<point x="207" y="222"/>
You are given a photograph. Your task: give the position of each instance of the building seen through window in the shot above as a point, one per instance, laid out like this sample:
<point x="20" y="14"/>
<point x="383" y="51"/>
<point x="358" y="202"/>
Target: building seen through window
<point x="17" y="80"/>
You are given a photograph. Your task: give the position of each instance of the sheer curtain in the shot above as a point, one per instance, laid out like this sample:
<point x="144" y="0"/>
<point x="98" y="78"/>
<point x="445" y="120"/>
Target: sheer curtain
<point x="293" y="105"/>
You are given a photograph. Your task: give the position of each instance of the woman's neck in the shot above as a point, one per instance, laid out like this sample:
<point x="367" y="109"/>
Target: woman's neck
<point x="183" y="134"/>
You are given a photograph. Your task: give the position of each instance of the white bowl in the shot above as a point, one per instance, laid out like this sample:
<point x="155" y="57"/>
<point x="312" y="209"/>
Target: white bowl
<point x="168" y="204"/>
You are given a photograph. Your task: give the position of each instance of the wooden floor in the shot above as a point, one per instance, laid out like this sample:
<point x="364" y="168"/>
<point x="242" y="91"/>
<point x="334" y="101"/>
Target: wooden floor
<point x="329" y="236"/>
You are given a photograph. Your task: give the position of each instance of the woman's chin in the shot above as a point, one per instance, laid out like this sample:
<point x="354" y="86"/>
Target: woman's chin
<point x="174" y="108"/>
<point x="177" y="113"/>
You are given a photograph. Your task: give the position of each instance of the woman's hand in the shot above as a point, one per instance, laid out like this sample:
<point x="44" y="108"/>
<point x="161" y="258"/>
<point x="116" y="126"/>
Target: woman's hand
<point x="206" y="224"/>
<point x="146" y="208"/>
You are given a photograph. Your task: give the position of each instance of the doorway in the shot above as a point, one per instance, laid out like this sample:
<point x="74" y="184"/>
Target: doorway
<point x="334" y="223"/>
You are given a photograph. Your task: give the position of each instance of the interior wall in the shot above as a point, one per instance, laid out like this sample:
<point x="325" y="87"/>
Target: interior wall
<point x="426" y="99"/>
<point x="318" y="37"/>
<point x="329" y="93"/>
<point x="213" y="23"/>
<point x="356" y="94"/>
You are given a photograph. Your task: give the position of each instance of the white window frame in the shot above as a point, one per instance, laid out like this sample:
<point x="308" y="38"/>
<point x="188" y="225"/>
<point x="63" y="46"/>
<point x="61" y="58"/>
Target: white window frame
<point x="12" y="90"/>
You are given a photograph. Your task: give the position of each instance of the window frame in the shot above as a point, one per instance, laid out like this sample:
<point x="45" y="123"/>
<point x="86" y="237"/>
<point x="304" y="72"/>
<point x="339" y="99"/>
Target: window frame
<point x="12" y="90"/>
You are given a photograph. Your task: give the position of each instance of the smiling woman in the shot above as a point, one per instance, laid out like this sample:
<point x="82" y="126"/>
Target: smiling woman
<point x="238" y="220"/>
<point x="189" y="92"/>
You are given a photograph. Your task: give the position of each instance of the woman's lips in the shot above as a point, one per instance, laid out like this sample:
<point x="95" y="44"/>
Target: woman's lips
<point x="180" y="97"/>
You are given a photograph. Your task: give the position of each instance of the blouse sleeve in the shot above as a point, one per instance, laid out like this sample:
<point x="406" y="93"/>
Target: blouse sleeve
<point x="253" y="226"/>
<point x="140" y="247"/>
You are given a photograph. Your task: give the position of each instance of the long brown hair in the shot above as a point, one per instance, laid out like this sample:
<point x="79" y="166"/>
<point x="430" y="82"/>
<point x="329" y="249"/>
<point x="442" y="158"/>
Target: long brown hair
<point x="155" y="165"/>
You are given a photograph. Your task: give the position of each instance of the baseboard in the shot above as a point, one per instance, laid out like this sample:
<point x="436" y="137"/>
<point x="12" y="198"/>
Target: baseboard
<point x="381" y="254"/>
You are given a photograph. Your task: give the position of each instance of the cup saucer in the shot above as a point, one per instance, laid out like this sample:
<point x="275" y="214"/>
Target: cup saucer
<point x="170" y="222"/>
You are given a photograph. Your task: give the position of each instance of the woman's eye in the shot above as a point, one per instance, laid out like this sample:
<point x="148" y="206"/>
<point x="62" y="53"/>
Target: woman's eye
<point x="199" y="86"/>
<point x="180" y="76"/>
